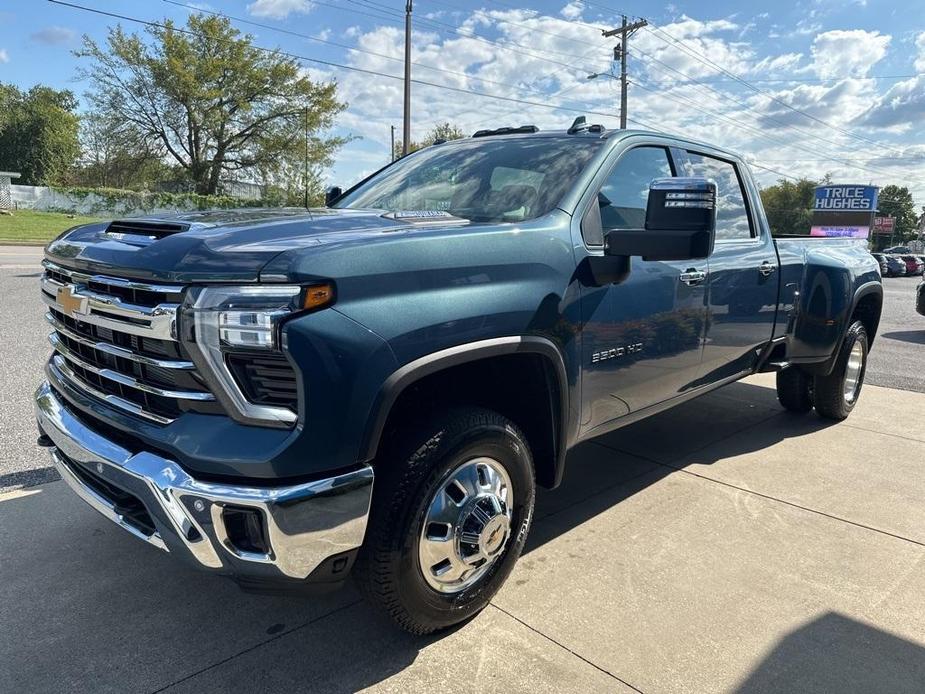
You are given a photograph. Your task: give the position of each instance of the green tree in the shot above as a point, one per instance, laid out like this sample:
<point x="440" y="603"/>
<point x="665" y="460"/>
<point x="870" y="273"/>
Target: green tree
<point x="110" y="157"/>
<point x="440" y="132"/>
<point x="896" y="201"/>
<point x="210" y="100"/>
<point x="789" y="205"/>
<point x="38" y="133"/>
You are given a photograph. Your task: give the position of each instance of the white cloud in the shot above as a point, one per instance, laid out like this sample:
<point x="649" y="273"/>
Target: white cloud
<point x="777" y="64"/>
<point x="4" y="56"/>
<point x="901" y="108"/>
<point x="572" y="10"/>
<point x="853" y="52"/>
<point x="920" y="45"/>
<point x="771" y="133"/>
<point x="54" y="35"/>
<point x="278" y="9"/>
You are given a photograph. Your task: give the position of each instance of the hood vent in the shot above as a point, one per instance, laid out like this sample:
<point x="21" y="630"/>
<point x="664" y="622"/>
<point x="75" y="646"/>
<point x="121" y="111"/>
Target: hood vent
<point x="122" y="228"/>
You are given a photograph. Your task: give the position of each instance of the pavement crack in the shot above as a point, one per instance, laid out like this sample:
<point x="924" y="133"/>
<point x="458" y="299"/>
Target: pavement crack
<point x="770" y="497"/>
<point x="566" y="648"/>
<point x="255" y="646"/>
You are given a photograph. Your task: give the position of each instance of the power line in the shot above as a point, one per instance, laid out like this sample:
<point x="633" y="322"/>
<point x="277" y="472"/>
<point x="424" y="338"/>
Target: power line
<point x="355" y="49"/>
<point x="668" y="38"/>
<point x="328" y="63"/>
<point x="444" y="27"/>
<point x="698" y="56"/>
<point x="789" y="126"/>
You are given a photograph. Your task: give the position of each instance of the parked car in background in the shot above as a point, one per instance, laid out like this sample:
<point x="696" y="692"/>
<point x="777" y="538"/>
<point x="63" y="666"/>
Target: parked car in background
<point x="881" y="261"/>
<point x="896" y="266"/>
<point x="913" y="264"/>
<point x="896" y="250"/>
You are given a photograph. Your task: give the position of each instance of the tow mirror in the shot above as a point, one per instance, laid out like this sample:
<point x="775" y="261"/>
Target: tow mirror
<point x="680" y="223"/>
<point x="331" y="194"/>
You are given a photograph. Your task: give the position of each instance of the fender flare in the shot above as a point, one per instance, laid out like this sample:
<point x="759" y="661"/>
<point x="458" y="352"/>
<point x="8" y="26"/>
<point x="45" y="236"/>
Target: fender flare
<point x="865" y="289"/>
<point x="432" y="363"/>
<point x="825" y="367"/>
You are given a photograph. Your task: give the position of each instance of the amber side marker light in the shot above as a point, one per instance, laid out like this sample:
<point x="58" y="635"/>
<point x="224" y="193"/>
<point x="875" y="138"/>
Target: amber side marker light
<point x="318" y="296"/>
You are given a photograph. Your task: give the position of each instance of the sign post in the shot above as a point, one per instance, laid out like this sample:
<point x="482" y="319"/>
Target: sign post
<point x="844" y="210"/>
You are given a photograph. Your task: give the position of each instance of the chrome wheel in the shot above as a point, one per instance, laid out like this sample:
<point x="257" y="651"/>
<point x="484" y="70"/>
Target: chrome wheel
<point x="853" y="370"/>
<point x="466" y="525"/>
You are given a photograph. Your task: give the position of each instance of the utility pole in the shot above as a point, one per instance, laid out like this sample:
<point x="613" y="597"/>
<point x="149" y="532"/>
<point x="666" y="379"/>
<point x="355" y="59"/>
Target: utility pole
<point x="625" y="31"/>
<point x="406" y="128"/>
<point x="392" y="150"/>
<point x="305" y="161"/>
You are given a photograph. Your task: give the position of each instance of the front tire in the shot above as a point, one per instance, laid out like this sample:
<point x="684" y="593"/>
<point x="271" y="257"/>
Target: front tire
<point x="836" y="394"/>
<point x="450" y="514"/>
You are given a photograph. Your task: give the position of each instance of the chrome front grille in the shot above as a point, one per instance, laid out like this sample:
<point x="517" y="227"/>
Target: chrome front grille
<point x="116" y="340"/>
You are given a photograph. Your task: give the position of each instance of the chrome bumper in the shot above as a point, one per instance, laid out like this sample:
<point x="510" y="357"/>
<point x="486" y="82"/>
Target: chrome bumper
<point x="302" y="525"/>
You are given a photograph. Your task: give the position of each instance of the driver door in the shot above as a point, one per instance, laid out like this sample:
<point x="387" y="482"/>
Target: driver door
<point x="642" y="339"/>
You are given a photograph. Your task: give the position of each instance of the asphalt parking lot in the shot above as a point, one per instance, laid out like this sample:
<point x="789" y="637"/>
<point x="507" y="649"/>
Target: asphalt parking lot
<point x="724" y="545"/>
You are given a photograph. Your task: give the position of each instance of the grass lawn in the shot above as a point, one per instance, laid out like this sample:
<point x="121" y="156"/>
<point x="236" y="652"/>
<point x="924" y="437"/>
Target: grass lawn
<point x="30" y="227"/>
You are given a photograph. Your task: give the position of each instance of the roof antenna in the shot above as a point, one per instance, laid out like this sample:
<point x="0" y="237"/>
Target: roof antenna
<point x="577" y="124"/>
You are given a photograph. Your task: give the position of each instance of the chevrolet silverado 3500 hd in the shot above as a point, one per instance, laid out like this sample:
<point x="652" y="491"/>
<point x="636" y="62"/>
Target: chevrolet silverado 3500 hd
<point x="375" y="387"/>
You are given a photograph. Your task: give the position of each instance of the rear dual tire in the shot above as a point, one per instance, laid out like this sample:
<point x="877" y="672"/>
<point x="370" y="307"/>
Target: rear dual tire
<point x="833" y="395"/>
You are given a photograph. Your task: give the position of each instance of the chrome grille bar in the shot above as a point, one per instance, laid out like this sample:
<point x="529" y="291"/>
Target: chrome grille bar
<point x="113" y="313"/>
<point x="82" y="278"/>
<point x="64" y="373"/>
<point x="123" y="379"/>
<point x="115" y="350"/>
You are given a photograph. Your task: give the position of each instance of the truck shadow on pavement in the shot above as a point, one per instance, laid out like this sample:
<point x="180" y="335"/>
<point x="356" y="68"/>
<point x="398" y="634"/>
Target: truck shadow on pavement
<point x="916" y="337"/>
<point x="835" y="653"/>
<point x="87" y="607"/>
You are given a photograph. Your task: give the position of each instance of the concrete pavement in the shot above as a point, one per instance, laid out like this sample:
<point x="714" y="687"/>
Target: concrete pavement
<point x="724" y="545"/>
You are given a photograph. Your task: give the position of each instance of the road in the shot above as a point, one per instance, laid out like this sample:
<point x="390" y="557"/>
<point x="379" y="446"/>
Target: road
<point x="897" y="359"/>
<point x="895" y="362"/>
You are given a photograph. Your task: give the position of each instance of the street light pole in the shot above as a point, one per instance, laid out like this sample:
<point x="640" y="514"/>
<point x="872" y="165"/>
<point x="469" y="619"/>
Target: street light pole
<point x="406" y="126"/>
<point x="392" y="150"/>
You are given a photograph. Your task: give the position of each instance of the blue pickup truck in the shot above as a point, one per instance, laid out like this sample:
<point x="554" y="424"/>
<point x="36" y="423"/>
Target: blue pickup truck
<point x="376" y="387"/>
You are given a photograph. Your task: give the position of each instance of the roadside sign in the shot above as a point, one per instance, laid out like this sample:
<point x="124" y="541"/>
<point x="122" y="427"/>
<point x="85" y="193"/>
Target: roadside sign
<point x="884" y="225"/>
<point x="844" y="210"/>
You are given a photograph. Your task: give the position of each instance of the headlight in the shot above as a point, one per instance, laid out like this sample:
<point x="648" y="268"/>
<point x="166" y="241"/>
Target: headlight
<point x="223" y="322"/>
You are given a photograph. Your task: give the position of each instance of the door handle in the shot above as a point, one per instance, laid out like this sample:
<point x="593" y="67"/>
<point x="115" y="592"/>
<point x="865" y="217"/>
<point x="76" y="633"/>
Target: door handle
<point x="767" y="268"/>
<point x="690" y="277"/>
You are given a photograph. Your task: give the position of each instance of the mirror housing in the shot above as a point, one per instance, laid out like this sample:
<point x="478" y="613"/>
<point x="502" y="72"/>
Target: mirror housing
<point x="331" y="195"/>
<point x="680" y="222"/>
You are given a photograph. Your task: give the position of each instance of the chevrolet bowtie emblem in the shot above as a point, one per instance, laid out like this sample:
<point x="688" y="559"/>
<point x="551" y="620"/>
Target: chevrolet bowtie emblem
<point x="70" y="303"/>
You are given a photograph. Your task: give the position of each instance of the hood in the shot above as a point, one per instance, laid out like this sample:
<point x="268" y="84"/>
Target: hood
<point x="222" y="246"/>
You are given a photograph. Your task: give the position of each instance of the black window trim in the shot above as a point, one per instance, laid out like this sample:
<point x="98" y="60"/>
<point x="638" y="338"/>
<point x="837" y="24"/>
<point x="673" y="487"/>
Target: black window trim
<point x="666" y="147"/>
<point x="755" y="237"/>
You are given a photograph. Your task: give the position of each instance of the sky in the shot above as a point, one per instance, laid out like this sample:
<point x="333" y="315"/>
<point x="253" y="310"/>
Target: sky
<point x="799" y="87"/>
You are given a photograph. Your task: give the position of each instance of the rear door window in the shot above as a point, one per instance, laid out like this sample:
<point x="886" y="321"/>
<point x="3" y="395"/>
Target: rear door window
<point x="732" y="219"/>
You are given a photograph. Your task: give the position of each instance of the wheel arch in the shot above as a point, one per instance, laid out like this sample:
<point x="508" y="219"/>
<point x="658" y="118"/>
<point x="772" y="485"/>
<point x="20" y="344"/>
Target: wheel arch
<point x="477" y="360"/>
<point x="866" y="307"/>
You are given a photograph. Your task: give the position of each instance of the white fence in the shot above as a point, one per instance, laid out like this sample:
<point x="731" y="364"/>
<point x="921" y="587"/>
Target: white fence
<point x="109" y="202"/>
<point x="49" y="199"/>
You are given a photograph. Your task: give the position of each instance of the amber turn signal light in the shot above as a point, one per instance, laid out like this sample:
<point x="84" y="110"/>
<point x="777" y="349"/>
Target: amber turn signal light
<point x="318" y="296"/>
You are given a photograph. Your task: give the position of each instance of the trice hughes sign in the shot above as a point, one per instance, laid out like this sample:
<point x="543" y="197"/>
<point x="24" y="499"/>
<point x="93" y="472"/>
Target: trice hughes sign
<point x="844" y="210"/>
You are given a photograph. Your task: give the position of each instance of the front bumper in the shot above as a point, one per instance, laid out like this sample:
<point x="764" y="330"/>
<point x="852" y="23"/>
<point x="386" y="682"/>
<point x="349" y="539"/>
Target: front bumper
<point x="287" y="534"/>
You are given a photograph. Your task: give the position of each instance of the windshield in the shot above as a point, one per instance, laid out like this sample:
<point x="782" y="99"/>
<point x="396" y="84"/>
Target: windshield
<point x="490" y="180"/>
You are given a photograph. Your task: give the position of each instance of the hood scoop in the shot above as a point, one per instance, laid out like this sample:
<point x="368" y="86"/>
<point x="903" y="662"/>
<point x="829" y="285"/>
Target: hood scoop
<point x="141" y="233"/>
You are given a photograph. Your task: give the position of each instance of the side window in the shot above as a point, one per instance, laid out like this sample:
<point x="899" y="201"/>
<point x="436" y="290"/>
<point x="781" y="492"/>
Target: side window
<point x="732" y="220"/>
<point x="623" y="197"/>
